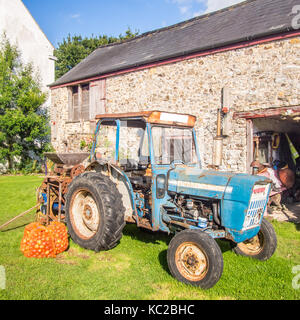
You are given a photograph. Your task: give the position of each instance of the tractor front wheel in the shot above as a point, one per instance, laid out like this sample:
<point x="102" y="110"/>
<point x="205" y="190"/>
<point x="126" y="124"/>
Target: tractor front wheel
<point x="94" y="212"/>
<point x="262" y="246"/>
<point x="195" y="258"/>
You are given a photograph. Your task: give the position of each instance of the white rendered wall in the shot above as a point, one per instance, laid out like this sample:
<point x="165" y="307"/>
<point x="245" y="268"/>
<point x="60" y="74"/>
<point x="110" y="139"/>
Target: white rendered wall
<point x="21" y="29"/>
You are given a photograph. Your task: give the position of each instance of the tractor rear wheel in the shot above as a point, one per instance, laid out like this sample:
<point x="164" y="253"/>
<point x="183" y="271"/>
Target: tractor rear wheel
<point x="195" y="258"/>
<point x="94" y="212"/>
<point x="262" y="246"/>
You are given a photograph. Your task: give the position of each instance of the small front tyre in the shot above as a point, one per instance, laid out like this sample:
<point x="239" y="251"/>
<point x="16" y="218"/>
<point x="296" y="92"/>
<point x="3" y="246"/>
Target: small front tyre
<point x="195" y="258"/>
<point x="262" y="246"/>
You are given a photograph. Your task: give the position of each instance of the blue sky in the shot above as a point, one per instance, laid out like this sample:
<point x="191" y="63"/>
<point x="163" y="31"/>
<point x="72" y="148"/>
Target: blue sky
<point x="58" y="18"/>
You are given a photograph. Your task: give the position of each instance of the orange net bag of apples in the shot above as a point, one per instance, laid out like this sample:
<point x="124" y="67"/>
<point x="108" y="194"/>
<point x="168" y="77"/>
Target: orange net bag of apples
<point x="44" y="242"/>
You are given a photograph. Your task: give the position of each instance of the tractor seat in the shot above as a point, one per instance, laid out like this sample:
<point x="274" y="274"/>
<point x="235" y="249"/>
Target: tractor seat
<point x="129" y="164"/>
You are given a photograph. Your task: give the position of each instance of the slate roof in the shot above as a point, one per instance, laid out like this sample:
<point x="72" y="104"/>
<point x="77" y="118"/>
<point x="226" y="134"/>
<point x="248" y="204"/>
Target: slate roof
<point x="246" y="21"/>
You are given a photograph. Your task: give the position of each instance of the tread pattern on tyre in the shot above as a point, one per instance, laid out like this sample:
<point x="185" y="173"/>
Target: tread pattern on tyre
<point x="110" y="201"/>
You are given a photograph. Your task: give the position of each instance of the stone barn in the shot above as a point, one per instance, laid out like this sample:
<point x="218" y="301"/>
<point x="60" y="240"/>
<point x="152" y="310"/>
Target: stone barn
<point x="242" y="63"/>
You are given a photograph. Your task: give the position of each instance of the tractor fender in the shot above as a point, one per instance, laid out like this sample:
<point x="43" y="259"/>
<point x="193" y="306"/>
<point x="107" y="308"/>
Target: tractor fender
<point x="124" y="186"/>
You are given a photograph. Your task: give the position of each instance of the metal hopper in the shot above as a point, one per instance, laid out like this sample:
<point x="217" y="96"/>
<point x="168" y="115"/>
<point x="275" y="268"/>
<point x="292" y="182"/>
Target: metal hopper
<point x="69" y="159"/>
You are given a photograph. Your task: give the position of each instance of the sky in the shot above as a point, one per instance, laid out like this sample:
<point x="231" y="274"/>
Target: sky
<point x="58" y="18"/>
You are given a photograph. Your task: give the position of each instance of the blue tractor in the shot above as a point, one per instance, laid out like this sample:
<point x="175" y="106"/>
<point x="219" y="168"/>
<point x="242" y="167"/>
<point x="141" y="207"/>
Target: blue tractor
<point x="146" y="169"/>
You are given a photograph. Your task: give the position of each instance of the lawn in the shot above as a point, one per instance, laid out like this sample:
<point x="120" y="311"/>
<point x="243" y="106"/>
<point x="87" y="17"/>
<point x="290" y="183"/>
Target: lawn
<point x="136" y="268"/>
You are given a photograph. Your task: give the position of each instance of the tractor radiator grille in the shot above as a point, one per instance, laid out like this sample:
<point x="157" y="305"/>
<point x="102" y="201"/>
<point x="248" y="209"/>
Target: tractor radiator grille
<point x="257" y="206"/>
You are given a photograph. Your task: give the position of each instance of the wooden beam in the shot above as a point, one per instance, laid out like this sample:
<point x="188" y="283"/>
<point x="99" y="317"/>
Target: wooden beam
<point x="271" y="112"/>
<point x="19" y="216"/>
<point x="250" y="149"/>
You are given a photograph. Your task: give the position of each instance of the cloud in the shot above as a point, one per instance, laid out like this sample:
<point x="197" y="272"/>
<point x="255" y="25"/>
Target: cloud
<point x="214" y="5"/>
<point x="75" y="16"/>
<point x="197" y="13"/>
<point x="194" y="8"/>
<point x="184" y="10"/>
<point x="182" y="2"/>
<point x="186" y="7"/>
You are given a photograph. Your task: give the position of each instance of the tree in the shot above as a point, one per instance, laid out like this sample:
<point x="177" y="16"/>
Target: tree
<point x="74" y="49"/>
<point x="24" y="128"/>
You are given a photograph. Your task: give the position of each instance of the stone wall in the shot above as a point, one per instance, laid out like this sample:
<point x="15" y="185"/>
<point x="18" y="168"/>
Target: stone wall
<point x="263" y="76"/>
<point x="67" y="136"/>
<point x="258" y="77"/>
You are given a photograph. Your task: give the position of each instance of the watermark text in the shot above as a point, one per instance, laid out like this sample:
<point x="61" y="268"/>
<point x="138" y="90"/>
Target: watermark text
<point x="2" y="278"/>
<point x="296" y="279"/>
<point x="296" y="19"/>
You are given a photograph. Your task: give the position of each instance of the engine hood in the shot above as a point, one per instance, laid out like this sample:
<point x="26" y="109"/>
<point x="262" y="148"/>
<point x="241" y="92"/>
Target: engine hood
<point x="242" y="197"/>
<point x="212" y="184"/>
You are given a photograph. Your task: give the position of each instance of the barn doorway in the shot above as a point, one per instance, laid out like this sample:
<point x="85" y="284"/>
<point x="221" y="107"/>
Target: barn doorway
<point x="277" y="142"/>
<point x="273" y="149"/>
<point x="276" y="146"/>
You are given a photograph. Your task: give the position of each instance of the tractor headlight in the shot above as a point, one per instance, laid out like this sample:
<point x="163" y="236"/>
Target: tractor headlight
<point x="161" y="186"/>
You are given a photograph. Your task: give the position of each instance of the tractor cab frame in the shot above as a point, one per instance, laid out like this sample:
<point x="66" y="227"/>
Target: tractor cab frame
<point x="167" y="140"/>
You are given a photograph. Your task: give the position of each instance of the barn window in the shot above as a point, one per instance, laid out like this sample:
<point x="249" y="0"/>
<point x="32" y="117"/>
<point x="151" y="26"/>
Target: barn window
<point x="97" y="98"/>
<point x="75" y="104"/>
<point x="87" y="100"/>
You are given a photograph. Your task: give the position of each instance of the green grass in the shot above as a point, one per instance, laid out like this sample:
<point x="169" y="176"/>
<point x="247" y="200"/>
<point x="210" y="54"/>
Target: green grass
<point x="136" y="268"/>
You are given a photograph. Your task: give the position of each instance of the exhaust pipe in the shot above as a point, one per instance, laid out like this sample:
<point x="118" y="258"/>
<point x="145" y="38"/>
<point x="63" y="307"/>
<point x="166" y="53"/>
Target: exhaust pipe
<point x="218" y="143"/>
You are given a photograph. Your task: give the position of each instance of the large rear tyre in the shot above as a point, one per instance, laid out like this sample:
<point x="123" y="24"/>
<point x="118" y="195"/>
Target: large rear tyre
<point x="262" y="246"/>
<point x="195" y="258"/>
<point x="94" y="212"/>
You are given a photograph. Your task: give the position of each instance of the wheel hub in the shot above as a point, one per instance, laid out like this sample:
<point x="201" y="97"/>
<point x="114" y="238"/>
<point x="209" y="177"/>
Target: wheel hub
<point x="253" y="246"/>
<point x="87" y="212"/>
<point x="191" y="261"/>
<point x="84" y="214"/>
